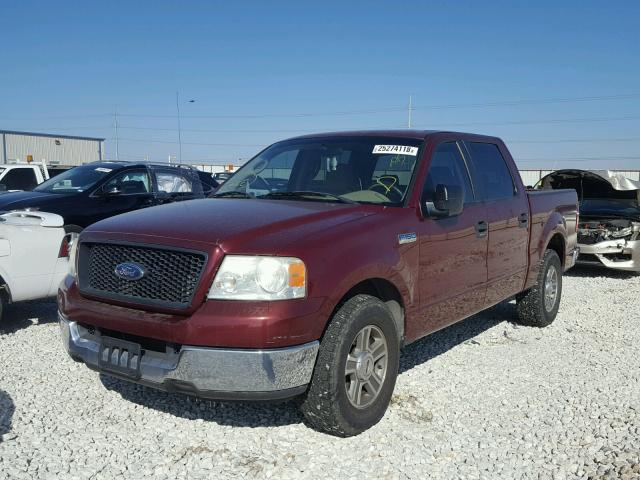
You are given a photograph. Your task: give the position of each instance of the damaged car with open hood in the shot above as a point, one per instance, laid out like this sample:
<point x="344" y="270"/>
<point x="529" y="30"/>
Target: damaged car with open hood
<point x="609" y="226"/>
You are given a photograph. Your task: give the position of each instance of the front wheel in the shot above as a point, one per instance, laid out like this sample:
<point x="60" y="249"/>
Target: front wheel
<point x="538" y="306"/>
<point x="356" y="369"/>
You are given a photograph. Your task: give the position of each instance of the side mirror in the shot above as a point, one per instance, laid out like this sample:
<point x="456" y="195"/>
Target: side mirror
<point x="448" y="201"/>
<point x="3" y="187"/>
<point x="110" y="192"/>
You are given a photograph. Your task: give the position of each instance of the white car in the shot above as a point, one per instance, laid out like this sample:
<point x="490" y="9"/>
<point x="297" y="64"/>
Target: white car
<point x="34" y="256"/>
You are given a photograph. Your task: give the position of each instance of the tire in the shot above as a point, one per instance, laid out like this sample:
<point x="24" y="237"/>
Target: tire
<point x="536" y="307"/>
<point x="328" y="406"/>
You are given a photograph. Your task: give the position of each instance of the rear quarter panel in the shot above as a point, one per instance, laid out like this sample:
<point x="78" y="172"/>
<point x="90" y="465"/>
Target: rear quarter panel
<point x="552" y="212"/>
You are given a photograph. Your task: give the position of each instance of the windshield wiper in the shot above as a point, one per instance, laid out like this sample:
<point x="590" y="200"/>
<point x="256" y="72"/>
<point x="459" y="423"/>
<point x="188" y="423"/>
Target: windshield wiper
<point x="306" y="194"/>
<point x="232" y="194"/>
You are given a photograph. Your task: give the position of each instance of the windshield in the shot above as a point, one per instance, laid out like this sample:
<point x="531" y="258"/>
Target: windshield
<point x="350" y="169"/>
<point x="76" y="180"/>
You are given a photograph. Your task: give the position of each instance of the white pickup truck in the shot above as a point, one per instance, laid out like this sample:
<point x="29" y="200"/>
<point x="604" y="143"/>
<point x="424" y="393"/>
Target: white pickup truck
<point x="22" y="176"/>
<point x="34" y="256"/>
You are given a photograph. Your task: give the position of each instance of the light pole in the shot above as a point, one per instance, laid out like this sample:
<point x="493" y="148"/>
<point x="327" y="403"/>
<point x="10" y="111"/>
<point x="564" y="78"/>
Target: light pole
<point x="179" y="127"/>
<point x="115" y="126"/>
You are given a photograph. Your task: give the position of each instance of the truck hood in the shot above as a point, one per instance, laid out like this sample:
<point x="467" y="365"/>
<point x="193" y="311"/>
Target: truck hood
<point x="235" y="225"/>
<point x="15" y="200"/>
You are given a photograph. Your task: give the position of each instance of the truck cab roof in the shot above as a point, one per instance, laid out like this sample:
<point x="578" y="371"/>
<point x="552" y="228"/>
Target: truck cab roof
<point x="418" y="134"/>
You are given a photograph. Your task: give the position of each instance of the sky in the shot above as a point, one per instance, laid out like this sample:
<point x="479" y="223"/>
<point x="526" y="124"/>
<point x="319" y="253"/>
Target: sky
<point x="558" y="81"/>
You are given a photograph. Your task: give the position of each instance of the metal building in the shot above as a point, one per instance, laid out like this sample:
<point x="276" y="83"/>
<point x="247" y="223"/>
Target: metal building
<point x="62" y="150"/>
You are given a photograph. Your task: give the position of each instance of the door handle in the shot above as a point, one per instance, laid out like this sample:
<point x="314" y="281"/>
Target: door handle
<point x="482" y="228"/>
<point x="523" y="220"/>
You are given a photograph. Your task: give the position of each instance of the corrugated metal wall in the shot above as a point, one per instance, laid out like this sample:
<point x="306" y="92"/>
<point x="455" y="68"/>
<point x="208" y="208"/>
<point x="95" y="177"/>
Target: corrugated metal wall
<point x="56" y="151"/>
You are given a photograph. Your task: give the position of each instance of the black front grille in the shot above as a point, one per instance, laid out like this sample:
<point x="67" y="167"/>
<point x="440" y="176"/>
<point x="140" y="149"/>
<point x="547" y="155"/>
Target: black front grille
<point x="587" y="239"/>
<point x="588" y="258"/>
<point x="171" y="276"/>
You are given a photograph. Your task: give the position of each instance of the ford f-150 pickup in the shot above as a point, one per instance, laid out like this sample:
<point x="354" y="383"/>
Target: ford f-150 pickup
<point x="312" y="266"/>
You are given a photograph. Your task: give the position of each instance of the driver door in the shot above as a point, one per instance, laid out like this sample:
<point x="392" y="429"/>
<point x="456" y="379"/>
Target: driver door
<point x="453" y="249"/>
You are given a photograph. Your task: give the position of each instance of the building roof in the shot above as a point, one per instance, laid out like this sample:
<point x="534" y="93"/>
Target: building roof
<point x="50" y="135"/>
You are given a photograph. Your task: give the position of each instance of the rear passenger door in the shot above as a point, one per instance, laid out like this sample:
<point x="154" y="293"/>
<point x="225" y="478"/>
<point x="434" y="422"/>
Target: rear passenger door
<point x="453" y="250"/>
<point x="508" y="218"/>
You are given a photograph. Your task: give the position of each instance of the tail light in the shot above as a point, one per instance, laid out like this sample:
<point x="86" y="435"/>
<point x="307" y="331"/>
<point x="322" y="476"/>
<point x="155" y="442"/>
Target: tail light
<point x="64" y="248"/>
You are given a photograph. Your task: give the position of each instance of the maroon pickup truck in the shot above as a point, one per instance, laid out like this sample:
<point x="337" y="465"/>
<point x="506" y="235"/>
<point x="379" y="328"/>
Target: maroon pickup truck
<point x="312" y="266"/>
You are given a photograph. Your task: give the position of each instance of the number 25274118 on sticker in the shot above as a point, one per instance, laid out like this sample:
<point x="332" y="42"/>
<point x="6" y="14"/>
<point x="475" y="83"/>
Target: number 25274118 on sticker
<point x="397" y="149"/>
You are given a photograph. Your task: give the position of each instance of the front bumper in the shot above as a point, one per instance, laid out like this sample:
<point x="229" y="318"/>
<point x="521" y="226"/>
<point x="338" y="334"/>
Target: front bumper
<point x="617" y="254"/>
<point x="217" y="373"/>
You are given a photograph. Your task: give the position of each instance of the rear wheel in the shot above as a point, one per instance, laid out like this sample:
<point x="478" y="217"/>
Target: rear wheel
<point x="538" y="306"/>
<point x="356" y="369"/>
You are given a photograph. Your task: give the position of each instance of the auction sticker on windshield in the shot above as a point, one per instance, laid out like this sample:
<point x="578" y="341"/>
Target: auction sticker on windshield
<point x="397" y="149"/>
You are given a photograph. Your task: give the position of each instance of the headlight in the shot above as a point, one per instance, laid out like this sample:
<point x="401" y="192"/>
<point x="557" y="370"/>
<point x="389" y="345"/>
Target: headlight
<point x="242" y="277"/>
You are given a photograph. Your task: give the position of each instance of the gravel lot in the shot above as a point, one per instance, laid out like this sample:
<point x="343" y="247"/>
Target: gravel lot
<point x="481" y="399"/>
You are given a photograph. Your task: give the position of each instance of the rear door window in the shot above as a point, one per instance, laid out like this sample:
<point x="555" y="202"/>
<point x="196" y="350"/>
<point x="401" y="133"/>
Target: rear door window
<point x="447" y="168"/>
<point x="170" y="181"/>
<point x="491" y="171"/>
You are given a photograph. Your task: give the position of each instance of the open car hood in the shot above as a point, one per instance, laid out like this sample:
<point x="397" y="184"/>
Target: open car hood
<point x="592" y="184"/>
<point x="604" y="186"/>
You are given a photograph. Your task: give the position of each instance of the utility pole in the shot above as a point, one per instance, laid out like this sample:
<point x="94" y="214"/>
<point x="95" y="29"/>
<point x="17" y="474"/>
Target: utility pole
<point x="410" y="109"/>
<point x="179" y="129"/>
<point x="115" y="126"/>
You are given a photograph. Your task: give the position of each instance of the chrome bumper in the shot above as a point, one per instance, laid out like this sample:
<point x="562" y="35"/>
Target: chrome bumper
<point x="218" y="373"/>
<point x="606" y="253"/>
<point x="572" y="258"/>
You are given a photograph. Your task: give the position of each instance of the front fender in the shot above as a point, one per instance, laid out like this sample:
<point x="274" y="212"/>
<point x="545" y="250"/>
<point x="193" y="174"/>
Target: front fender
<point x="396" y="270"/>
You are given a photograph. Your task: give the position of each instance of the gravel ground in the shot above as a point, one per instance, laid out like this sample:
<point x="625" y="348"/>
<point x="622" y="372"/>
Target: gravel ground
<point x="481" y="399"/>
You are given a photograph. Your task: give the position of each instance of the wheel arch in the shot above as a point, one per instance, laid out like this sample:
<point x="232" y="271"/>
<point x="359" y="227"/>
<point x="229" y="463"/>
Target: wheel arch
<point x="385" y="291"/>
<point x="5" y="290"/>
<point x="557" y="244"/>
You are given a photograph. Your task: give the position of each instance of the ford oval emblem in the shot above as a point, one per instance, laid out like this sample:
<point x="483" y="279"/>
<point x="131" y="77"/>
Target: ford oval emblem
<point x="130" y="271"/>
